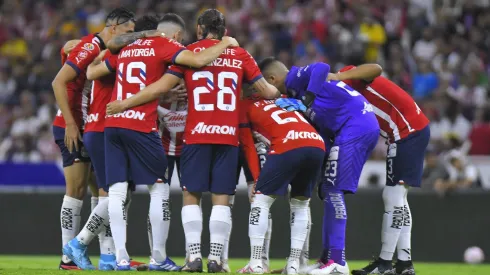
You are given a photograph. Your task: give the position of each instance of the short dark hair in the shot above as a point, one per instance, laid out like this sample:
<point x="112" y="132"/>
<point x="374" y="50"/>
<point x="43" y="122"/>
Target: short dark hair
<point x="266" y="62"/>
<point x="146" y="23"/>
<point x="173" y="18"/>
<point x="120" y="16"/>
<point x="212" y="21"/>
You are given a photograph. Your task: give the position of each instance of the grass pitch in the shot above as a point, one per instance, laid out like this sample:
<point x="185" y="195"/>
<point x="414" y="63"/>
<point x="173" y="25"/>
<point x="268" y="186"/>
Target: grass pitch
<point x="47" y="265"/>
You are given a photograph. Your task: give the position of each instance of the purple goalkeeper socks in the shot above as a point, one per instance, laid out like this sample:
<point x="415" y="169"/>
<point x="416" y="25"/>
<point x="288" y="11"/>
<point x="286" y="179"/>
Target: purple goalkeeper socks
<point x="334" y="225"/>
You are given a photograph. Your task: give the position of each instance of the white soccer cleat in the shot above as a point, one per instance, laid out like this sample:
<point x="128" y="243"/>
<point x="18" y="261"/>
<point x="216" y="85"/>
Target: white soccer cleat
<point x="331" y="268"/>
<point x="248" y="269"/>
<point x="226" y="266"/>
<point x="292" y="267"/>
<point x="307" y="269"/>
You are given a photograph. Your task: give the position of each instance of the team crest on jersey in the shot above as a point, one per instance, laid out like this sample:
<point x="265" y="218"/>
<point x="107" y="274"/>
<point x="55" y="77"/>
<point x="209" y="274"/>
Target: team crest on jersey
<point x="88" y="46"/>
<point x="81" y="56"/>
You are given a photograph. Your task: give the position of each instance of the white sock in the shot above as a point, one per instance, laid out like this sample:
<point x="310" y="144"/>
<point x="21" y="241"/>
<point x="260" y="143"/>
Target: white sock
<point x="127" y="204"/>
<point x="404" y="248"/>
<point x="150" y="235"/>
<point x="192" y="223"/>
<point x="106" y="242"/>
<point x="160" y="219"/>
<point x="70" y="218"/>
<point x="219" y="228"/>
<point x="299" y="226"/>
<point x="258" y="222"/>
<point x="305" y="253"/>
<point x="267" y="241"/>
<point x="393" y="197"/>
<point x="95" y="223"/>
<point x="93" y="203"/>
<point x="117" y="218"/>
<point x="224" y="254"/>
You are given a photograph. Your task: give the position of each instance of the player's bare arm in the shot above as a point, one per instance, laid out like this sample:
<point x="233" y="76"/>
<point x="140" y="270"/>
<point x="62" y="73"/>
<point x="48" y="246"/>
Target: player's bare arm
<point x="97" y="68"/>
<point x="70" y="45"/>
<point x="366" y="72"/>
<point x="72" y="134"/>
<point x="266" y="90"/>
<point x="149" y="93"/>
<point x="117" y="43"/>
<point x="202" y="58"/>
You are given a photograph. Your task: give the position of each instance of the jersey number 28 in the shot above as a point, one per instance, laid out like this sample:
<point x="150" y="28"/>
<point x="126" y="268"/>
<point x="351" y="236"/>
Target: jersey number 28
<point x="223" y="90"/>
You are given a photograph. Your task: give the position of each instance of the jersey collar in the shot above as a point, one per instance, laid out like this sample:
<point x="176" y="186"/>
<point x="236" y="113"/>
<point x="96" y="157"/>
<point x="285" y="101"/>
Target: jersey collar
<point x="101" y="42"/>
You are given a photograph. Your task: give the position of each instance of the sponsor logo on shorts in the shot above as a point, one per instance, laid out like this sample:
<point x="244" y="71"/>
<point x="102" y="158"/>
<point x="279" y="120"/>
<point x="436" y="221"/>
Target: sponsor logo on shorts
<point x="202" y="128"/>
<point x="254" y="216"/>
<point x="338" y="203"/>
<point x="294" y="135"/>
<point x="131" y="114"/>
<point x="397" y="221"/>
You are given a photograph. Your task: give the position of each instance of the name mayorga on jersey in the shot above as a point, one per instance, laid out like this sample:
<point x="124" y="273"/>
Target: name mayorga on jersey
<point x="202" y="128"/>
<point x="293" y="135"/>
<point x="130" y="114"/>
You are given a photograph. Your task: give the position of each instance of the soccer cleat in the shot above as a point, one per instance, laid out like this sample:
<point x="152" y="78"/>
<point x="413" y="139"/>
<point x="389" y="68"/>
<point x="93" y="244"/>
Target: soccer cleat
<point x="194" y="266"/>
<point x="292" y="267"/>
<point x="68" y="265"/>
<point x="226" y="267"/>
<point x="123" y="265"/>
<point x="303" y="265"/>
<point x="107" y="262"/>
<point x="331" y="268"/>
<point x="403" y="268"/>
<point x="244" y="269"/>
<point x="167" y="265"/>
<point x="139" y="266"/>
<point x="378" y="266"/>
<point x="214" y="267"/>
<point x="77" y="252"/>
<point x="309" y="268"/>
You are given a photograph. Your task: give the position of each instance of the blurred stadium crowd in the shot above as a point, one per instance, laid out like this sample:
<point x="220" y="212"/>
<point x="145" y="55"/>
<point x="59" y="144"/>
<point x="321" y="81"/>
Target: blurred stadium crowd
<point x="438" y="50"/>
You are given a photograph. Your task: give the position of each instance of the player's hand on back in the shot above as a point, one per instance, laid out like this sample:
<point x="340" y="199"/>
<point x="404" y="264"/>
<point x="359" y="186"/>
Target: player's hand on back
<point x="291" y="104"/>
<point x="230" y="41"/>
<point x="115" y="107"/>
<point x="72" y="136"/>
<point x="178" y="93"/>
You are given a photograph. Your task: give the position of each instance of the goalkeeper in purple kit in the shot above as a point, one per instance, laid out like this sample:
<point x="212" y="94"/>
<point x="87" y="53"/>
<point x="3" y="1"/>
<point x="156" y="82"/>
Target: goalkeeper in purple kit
<point x="349" y="127"/>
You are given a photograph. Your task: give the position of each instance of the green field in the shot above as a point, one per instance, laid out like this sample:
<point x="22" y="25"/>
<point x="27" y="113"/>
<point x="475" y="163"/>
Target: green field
<point x="44" y="265"/>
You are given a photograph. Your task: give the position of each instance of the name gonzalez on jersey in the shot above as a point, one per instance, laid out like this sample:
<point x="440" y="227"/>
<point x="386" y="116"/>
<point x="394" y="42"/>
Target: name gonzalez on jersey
<point x="293" y="135"/>
<point x="224" y="62"/>
<point x="202" y="128"/>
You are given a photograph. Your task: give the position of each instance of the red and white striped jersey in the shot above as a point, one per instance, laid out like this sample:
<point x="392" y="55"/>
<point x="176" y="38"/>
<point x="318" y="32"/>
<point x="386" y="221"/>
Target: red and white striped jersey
<point x="172" y="118"/>
<point x="397" y="113"/>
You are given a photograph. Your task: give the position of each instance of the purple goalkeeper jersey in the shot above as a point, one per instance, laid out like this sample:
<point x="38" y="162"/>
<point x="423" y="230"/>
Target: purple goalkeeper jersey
<point x="338" y="110"/>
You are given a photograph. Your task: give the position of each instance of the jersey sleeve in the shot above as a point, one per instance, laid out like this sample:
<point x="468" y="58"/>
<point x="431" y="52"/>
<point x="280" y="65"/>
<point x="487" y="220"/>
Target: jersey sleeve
<point x="111" y="62"/>
<point x="308" y="78"/>
<point x="169" y="49"/>
<point x="250" y="68"/>
<point x="318" y="73"/>
<point x="82" y="55"/>
<point x="247" y="142"/>
<point x="176" y="70"/>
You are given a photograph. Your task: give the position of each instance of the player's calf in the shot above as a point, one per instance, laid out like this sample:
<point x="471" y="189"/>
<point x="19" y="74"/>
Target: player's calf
<point x="117" y="214"/>
<point x="257" y="229"/>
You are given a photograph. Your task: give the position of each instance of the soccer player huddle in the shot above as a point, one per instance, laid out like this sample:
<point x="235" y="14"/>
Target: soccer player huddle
<point x="293" y="129"/>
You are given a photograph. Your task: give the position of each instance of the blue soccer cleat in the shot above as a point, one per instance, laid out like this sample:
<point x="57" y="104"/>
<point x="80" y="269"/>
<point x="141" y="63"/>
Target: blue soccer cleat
<point x="77" y="252"/>
<point x="123" y="265"/>
<point x="167" y="265"/>
<point x="107" y="262"/>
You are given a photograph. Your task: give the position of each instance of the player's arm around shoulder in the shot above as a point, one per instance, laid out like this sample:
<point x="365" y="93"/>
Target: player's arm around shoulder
<point x="366" y="72"/>
<point x="204" y="57"/>
<point x="98" y="69"/>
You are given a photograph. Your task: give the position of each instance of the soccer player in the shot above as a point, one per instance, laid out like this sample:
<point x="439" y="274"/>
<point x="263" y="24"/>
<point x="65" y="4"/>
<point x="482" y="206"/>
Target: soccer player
<point x="407" y="131"/>
<point x="295" y="158"/>
<point x="210" y="154"/>
<point x="72" y="96"/>
<point x="98" y="222"/>
<point x="133" y="148"/>
<point x="339" y="113"/>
